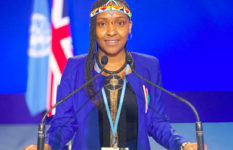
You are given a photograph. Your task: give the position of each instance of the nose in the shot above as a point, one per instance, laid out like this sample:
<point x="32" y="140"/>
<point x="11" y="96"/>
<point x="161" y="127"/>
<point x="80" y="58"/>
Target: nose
<point x="111" y="30"/>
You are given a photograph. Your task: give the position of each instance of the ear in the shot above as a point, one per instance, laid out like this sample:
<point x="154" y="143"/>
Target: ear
<point x="130" y="26"/>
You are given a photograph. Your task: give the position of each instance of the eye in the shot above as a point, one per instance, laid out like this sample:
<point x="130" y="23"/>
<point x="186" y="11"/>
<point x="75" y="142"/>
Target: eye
<point x="101" y="24"/>
<point x="120" y="23"/>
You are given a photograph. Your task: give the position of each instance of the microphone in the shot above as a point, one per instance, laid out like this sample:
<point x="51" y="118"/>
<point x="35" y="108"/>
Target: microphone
<point x="199" y="128"/>
<point x="41" y="128"/>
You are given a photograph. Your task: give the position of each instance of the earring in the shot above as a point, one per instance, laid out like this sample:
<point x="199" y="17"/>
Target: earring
<point x="130" y="36"/>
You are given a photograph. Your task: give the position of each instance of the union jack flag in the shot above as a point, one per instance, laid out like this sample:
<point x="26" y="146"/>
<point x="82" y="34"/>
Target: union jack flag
<point x="61" y="48"/>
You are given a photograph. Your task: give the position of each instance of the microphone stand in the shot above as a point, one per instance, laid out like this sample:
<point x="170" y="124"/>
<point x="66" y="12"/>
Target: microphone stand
<point x="199" y="128"/>
<point x="41" y="128"/>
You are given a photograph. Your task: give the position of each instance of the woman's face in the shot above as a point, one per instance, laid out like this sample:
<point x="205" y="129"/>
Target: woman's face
<point x="112" y="29"/>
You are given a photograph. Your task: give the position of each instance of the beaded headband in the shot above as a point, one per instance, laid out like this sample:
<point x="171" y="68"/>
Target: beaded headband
<point x="110" y="7"/>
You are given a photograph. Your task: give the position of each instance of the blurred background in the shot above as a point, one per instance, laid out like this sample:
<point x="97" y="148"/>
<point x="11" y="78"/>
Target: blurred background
<point x="193" y="41"/>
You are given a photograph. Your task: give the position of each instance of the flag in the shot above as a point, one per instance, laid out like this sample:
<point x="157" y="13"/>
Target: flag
<point x="46" y="71"/>
<point x="61" y="47"/>
<point x="39" y="50"/>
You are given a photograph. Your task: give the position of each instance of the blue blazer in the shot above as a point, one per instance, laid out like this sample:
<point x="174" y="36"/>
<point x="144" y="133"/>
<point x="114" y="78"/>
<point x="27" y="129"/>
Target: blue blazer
<point x="77" y="117"/>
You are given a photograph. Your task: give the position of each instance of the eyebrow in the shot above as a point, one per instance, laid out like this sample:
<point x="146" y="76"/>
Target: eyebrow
<point x="107" y="18"/>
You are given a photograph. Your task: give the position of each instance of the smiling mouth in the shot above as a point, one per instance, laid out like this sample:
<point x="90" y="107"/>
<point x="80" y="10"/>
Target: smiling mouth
<point x="112" y="42"/>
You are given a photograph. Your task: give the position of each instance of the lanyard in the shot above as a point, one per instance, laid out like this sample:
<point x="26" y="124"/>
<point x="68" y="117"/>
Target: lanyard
<point x="114" y="127"/>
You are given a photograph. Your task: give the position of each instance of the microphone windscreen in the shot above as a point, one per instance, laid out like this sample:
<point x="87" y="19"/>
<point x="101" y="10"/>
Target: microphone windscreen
<point x="104" y="60"/>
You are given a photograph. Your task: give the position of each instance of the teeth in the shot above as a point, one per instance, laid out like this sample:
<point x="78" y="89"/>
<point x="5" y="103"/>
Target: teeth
<point x="112" y="42"/>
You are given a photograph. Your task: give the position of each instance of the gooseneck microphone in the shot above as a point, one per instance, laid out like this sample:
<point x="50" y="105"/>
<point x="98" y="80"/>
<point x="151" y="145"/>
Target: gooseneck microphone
<point x="199" y="128"/>
<point x="41" y="129"/>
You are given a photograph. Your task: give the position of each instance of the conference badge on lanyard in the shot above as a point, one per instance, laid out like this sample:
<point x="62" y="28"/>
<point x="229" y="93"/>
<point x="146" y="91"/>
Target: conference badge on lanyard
<point x="114" y="148"/>
<point x="147" y="97"/>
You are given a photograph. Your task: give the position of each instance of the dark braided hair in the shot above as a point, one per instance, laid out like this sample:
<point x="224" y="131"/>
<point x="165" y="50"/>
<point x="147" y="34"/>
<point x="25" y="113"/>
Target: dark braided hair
<point x="89" y="65"/>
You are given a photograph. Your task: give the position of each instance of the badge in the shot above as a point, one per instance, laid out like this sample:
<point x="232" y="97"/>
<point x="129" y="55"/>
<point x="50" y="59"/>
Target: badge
<point x="114" y="148"/>
<point x="147" y="97"/>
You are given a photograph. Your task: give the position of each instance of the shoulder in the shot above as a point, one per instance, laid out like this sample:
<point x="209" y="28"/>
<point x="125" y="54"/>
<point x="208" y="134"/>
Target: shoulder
<point x="144" y="60"/>
<point x="79" y="59"/>
<point x="74" y="65"/>
<point x="76" y="61"/>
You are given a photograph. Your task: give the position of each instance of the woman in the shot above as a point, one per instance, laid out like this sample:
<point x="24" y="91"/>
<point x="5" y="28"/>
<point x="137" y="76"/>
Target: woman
<point x="114" y="110"/>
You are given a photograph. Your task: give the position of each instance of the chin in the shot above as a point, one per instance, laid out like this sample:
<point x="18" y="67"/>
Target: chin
<point x="113" y="52"/>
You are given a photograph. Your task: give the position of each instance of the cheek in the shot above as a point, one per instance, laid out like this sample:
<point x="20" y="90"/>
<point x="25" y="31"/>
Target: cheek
<point x="99" y="38"/>
<point x="99" y="31"/>
<point x="124" y="34"/>
<point x="99" y="35"/>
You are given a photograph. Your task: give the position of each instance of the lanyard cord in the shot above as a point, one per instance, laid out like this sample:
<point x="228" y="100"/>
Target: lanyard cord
<point x="114" y="127"/>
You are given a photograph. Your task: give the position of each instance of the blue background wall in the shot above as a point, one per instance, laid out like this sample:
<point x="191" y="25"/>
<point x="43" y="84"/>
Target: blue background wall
<point x="192" y="39"/>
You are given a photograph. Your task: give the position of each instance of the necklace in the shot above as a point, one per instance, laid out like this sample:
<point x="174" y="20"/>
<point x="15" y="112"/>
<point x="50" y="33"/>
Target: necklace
<point x="107" y="71"/>
<point x="113" y="82"/>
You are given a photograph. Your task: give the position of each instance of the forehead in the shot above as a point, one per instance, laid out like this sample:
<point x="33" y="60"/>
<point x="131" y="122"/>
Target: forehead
<point x="111" y="15"/>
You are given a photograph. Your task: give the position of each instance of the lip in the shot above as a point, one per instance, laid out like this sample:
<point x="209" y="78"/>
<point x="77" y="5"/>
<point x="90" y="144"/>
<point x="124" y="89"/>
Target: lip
<point x="111" y="42"/>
